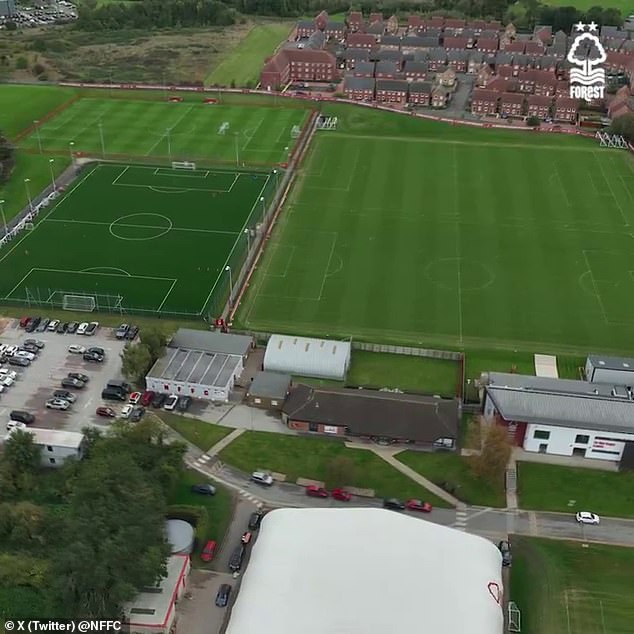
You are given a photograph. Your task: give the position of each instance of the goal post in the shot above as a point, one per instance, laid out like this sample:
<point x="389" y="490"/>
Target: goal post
<point x="79" y="303"/>
<point x="183" y="165"/>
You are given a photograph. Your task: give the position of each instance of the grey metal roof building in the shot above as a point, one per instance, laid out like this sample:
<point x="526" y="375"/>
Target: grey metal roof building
<point x="270" y="385"/>
<point x="603" y="369"/>
<point x="319" y="358"/>
<point x="211" y="341"/>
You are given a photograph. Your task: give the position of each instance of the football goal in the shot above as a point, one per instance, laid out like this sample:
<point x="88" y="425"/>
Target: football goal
<point x="183" y="165"/>
<point x="327" y="123"/>
<point x="80" y="303"/>
<point x="295" y="132"/>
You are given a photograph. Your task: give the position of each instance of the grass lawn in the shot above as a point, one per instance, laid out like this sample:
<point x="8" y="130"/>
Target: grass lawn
<point x="243" y="64"/>
<point x="572" y="588"/>
<point x="203" y="435"/>
<point x="298" y="456"/>
<point x="460" y="213"/>
<point x="552" y="487"/>
<point x="219" y="507"/>
<point x="445" y="467"/>
<point x="410" y="374"/>
<point x="625" y="6"/>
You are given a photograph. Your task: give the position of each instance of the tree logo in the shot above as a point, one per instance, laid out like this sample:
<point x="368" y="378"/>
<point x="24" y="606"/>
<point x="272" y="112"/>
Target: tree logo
<point x="587" y="53"/>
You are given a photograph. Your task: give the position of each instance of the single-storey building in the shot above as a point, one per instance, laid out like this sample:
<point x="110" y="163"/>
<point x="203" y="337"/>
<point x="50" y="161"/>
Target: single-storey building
<point x="617" y="370"/>
<point x="562" y="416"/>
<point x="200" y="364"/>
<point x="153" y="610"/>
<point x="269" y="390"/>
<point x="380" y="416"/>
<point x="58" y="445"/>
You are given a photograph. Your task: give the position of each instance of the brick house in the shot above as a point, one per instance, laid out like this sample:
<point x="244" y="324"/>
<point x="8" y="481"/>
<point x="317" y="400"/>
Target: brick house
<point x="622" y="103"/>
<point x="547" y="62"/>
<point x="475" y="62"/>
<point x="305" y="28"/>
<point x="376" y="28"/>
<point x="562" y="88"/>
<point x="455" y="23"/>
<point x="391" y="25"/>
<point x="391" y="90"/>
<point x="276" y="72"/>
<point x="420" y="93"/>
<point x="298" y="64"/>
<point x="544" y="34"/>
<point x="361" y="40"/>
<point x="458" y="60"/>
<point x="355" y="21"/>
<point x="363" y="69"/>
<point x="566" y="110"/>
<point x="321" y="20"/>
<point x="455" y="43"/>
<point x="391" y="42"/>
<point x="447" y="78"/>
<point x="387" y="56"/>
<point x="353" y="56"/>
<point x="500" y="84"/>
<point x="487" y="45"/>
<point x="387" y="70"/>
<point x="415" y="70"/>
<point x="506" y="72"/>
<point x="413" y="43"/>
<point x="375" y="17"/>
<point x="484" y="102"/>
<point x="437" y="59"/>
<point x="519" y="46"/>
<point x="335" y="31"/>
<point x="440" y="96"/>
<point x="539" y="106"/>
<point x="483" y="75"/>
<point x="535" y="47"/>
<point x="539" y="82"/>
<point x="511" y="104"/>
<point x="359" y="88"/>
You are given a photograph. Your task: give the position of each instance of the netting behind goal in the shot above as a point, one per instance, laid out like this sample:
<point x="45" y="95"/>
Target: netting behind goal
<point x="83" y="303"/>
<point x="183" y="165"/>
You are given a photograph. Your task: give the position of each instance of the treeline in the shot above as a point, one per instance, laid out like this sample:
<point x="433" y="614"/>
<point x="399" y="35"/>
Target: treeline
<point x="7" y="159"/>
<point x="154" y="14"/>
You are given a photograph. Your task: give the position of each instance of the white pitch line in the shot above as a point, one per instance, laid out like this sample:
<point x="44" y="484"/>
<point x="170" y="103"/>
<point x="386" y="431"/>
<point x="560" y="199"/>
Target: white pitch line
<point x="18" y="284"/>
<point x="618" y="204"/>
<point x="332" y="250"/>
<point x="125" y="169"/>
<point x="158" y="310"/>
<point x="596" y="288"/>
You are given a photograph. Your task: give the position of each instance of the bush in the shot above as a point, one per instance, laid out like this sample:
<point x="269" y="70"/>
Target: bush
<point x="533" y="122"/>
<point x="21" y="62"/>
<point x="197" y="516"/>
<point x="37" y="69"/>
<point x="18" y="570"/>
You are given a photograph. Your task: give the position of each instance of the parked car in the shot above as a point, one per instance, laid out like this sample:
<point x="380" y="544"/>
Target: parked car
<point x="246" y="538"/>
<point x="22" y="417"/>
<point x="76" y="349"/>
<point x="97" y="350"/>
<point x="62" y="327"/>
<point x="9" y="351"/>
<point x="236" y="559"/>
<point x="316" y="492"/>
<point x="6" y="381"/>
<point x="32" y="325"/>
<point x="65" y="395"/>
<point x="110" y="394"/>
<point x="120" y="385"/>
<point x="137" y="414"/>
<point x="29" y="347"/>
<point x="183" y="403"/>
<point x="84" y="378"/>
<point x="92" y="328"/>
<point x="19" y="361"/>
<point x="585" y="517"/>
<point x="222" y="597"/>
<point x="72" y="327"/>
<point x="255" y="520"/>
<point x="24" y="321"/>
<point x="170" y="402"/>
<point x="14" y="424"/>
<point x="203" y="489"/>
<point x="208" y="551"/>
<point x="505" y="549"/>
<point x="158" y="399"/>
<point x="393" y="504"/>
<point x="43" y="325"/>
<point x="147" y="397"/>
<point x="341" y="494"/>
<point x="262" y="478"/>
<point x="133" y="331"/>
<point x="418" y="505"/>
<point x="106" y="412"/>
<point x="8" y="373"/>
<point x="81" y="329"/>
<point x="57" y="403"/>
<point x="93" y="357"/>
<point x="135" y="397"/>
<point x="73" y="383"/>
<point x="122" y="331"/>
<point x="126" y="411"/>
<point x="38" y="343"/>
<point x="52" y="325"/>
<point x="24" y="354"/>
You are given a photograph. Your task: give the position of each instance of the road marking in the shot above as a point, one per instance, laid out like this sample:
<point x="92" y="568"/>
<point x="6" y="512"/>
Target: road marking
<point x="532" y="522"/>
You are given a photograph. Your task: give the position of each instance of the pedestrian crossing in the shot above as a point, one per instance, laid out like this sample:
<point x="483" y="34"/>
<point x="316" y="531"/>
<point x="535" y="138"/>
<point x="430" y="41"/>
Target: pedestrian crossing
<point x="461" y="520"/>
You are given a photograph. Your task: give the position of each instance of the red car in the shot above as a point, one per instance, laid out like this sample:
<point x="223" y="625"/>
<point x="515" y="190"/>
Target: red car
<point x="341" y="494"/>
<point x="147" y="397"/>
<point x="24" y="321"/>
<point x="106" y="412"/>
<point x="135" y="397"/>
<point x="418" y="505"/>
<point x="246" y="538"/>
<point x="316" y="492"/>
<point x="208" y="551"/>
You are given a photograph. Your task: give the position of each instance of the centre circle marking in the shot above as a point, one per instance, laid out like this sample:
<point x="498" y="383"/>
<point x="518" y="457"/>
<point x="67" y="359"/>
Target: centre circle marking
<point x="474" y="275"/>
<point x="161" y="231"/>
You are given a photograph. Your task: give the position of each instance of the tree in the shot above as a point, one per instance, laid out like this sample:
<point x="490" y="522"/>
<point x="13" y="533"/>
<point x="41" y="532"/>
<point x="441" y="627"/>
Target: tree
<point x="154" y="340"/>
<point x="135" y="362"/>
<point x="21" y="457"/>
<point x="341" y="472"/>
<point x="490" y="464"/>
<point x="533" y="122"/>
<point x="624" y="125"/>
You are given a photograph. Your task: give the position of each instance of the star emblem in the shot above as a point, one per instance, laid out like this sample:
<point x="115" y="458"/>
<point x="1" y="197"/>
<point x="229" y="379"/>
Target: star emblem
<point x="580" y="26"/>
<point x="593" y="26"/>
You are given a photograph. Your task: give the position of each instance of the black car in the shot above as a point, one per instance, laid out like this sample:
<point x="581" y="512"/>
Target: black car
<point x="19" y="361"/>
<point x="29" y="347"/>
<point x="183" y="403"/>
<point x="84" y="378"/>
<point x="100" y="351"/>
<point x="224" y="592"/>
<point x="237" y="557"/>
<point x="43" y="325"/>
<point x="65" y="395"/>
<point x="393" y="504"/>
<point x="505" y="549"/>
<point x="72" y="327"/>
<point x="122" y="331"/>
<point x="33" y="324"/>
<point x="203" y="489"/>
<point x="93" y="356"/>
<point x="159" y="399"/>
<point x="22" y="417"/>
<point x="62" y="327"/>
<point x="35" y="342"/>
<point x="73" y="383"/>
<point x="113" y="395"/>
<point x="254" y="521"/>
<point x="137" y="414"/>
<point x="117" y="384"/>
<point x="92" y="328"/>
<point x="133" y="331"/>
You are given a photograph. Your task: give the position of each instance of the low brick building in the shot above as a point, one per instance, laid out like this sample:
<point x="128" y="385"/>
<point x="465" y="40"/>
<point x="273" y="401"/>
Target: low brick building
<point x="539" y="106"/>
<point x="512" y="104"/>
<point x="391" y="90"/>
<point x="420" y="93"/>
<point x="298" y="65"/>
<point x="359" y="88"/>
<point x="484" y="102"/>
<point x="566" y="110"/>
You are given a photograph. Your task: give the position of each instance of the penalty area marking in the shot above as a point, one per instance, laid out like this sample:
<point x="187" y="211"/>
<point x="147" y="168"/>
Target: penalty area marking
<point x="97" y="269"/>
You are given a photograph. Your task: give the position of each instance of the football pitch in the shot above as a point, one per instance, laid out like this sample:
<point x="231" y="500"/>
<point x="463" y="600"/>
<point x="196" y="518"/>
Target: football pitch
<point x="139" y="238"/>
<point x="453" y="239"/>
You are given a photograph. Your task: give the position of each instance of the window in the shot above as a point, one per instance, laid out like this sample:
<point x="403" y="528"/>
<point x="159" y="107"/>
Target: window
<point x="313" y="427"/>
<point x="257" y="400"/>
<point x="274" y="403"/>
<point x="541" y="435"/>
<point x="49" y="448"/>
<point x="51" y="460"/>
<point x="582" y="439"/>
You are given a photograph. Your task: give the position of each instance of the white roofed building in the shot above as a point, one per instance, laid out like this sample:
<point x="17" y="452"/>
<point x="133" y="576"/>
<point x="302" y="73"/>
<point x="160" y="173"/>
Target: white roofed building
<point x="367" y="571"/>
<point x="57" y="445"/>
<point x="302" y="356"/>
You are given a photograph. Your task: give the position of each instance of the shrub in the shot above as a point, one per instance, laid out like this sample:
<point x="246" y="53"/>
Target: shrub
<point x="197" y="516"/>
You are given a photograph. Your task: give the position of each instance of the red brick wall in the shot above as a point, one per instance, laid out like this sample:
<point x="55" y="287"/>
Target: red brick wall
<point x="303" y="426"/>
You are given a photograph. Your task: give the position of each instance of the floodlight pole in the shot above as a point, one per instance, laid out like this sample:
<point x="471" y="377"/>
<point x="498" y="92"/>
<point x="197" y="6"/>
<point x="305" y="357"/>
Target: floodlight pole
<point x="50" y="164"/>
<point x="4" y="220"/>
<point x="263" y="208"/>
<point x="70" y="151"/>
<point x="246" y="231"/>
<point x="228" y="268"/>
<point x="28" y="192"/>
<point x="277" y="183"/>
<point x="37" y="131"/>
<point x="103" y="145"/>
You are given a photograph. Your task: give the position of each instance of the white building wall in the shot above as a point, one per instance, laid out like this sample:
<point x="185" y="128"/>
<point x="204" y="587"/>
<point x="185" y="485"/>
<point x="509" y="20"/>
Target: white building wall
<point x="195" y="390"/>
<point x="53" y="456"/>
<point x="562" y="441"/>
<point x="615" y="377"/>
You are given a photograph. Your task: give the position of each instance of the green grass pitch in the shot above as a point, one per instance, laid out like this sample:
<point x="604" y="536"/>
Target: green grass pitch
<point x="158" y="238"/>
<point x="424" y="233"/>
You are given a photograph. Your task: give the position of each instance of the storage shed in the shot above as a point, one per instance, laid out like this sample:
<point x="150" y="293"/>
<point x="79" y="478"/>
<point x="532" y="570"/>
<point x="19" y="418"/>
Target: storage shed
<point x="269" y="390"/>
<point x="302" y="356"/>
<point x="616" y="370"/>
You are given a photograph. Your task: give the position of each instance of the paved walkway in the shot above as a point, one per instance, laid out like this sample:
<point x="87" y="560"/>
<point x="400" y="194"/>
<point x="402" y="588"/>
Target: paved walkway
<point x="565" y="461"/>
<point x="227" y="440"/>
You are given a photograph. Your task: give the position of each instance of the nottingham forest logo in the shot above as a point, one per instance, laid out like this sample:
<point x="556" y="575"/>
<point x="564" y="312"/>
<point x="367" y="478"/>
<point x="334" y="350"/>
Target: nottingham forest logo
<point x="587" y="81"/>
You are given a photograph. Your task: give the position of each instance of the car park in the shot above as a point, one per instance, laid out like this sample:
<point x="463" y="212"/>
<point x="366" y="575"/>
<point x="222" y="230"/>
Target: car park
<point x="393" y="504"/>
<point x="246" y="538"/>
<point x="22" y="417"/>
<point x="43" y="325"/>
<point x="341" y="494"/>
<point x="135" y="397"/>
<point x="81" y="329"/>
<point x="236" y="559"/>
<point x="65" y="395"/>
<point x="76" y="349"/>
<point x="72" y="327"/>
<point x="122" y="331"/>
<point x="38" y="343"/>
<point x="92" y="328"/>
<point x="260" y="477"/>
<point x="158" y="399"/>
<point x="73" y="383"/>
<point x="57" y="403"/>
<point x="505" y="549"/>
<point x="126" y="411"/>
<point x="133" y="331"/>
<point x="316" y="491"/>
<point x="147" y="397"/>
<point x="183" y="403"/>
<point x="14" y="424"/>
<point x="170" y="402"/>
<point x="93" y="357"/>
<point x="137" y="414"/>
<point x="52" y="325"/>
<point x="106" y="412"/>
<point x="84" y="378"/>
<point x="585" y="517"/>
<point x="222" y="597"/>
<point x="208" y="551"/>
<point x="203" y="489"/>
<point x="255" y="520"/>
<point x="418" y="505"/>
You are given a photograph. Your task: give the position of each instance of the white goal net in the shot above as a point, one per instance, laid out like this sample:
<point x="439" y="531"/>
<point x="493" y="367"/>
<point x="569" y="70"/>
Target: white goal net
<point x="295" y="132"/>
<point x="183" y="165"/>
<point x="83" y="303"/>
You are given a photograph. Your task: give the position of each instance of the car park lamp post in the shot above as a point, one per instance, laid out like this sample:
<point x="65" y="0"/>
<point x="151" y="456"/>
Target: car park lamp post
<point x="50" y="163"/>
<point x="4" y="220"/>
<point x="277" y="184"/>
<point x="36" y="123"/>
<point x="70" y="151"/>
<point x="248" y="235"/>
<point x="28" y="192"/>
<point x="263" y="208"/>
<point x="228" y="268"/>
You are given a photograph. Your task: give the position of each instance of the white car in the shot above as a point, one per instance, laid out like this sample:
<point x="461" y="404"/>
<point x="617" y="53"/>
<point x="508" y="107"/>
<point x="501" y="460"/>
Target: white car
<point x="170" y="402"/>
<point x="75" y="349"/>
<point x="5" y="372"/>
<point x="135" y="397"/>
<point x="52" y="326"/>
<point x="10" y="351"/>
<point x="14" y="424"/>
<point x="585" y="517"/>
<point x="6" y="381"/>
<point x="57" y="403"/>
<point x="126" y="411"/>
<point x="24" y="354"/>
<point x="81" y="329"/>
<point x="262" y="478"/>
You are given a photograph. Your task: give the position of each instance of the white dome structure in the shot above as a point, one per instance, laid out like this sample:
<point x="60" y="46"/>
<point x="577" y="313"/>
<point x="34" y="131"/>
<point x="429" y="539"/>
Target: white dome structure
<point x="180" y="535"/>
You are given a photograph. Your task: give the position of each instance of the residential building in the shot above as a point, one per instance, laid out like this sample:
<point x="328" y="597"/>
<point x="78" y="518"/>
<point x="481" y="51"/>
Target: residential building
<point x="352" y="56"/>
<point x="298" y="65"/>
<point x="269" y="390"/>
<point x="440" y="96"/>
<point x="355" y="21"/>
<point x="539" y="106"/>
<point x="447" y="78"/>
<point x="484" y="75"/>
<point x="420" y="93"/>
<point x="359" y="88"/>
<point x="487" y="45"/>
<point x="511" y="104"/>
<point x="56" y="445"/>
<point x="415" y="70"/>
<point x="484" y="102"/>
<point x="476" y="59"/>
<point x="391" y="90"/>
<point x="305" y="28"/>
<point x="387" y="70"/>
<point x="363" y="69"/>
<point x="335" y="31"/>
<point x="458" y="60"/>
<point x="455" y="43"/>
<point x="566" y="110"/>
<point x="361" y="40"/>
